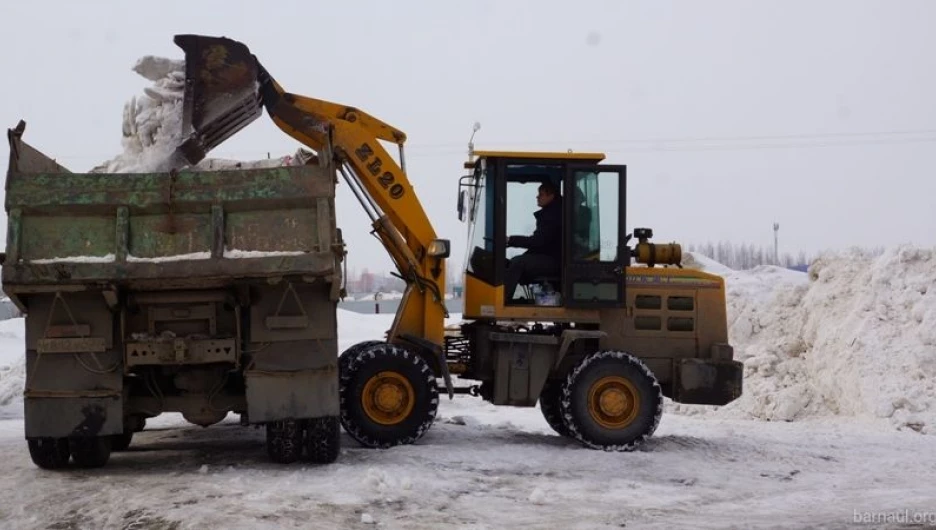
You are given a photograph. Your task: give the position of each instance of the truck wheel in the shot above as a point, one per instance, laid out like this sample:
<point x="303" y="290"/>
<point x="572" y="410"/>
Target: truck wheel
<point x="132" y="424"/>
<point x="323" y="439"/>
<point x="353" y="351"/>
<point x="611" y="401"/>
<point x="284" y="441"/>
<point x="550" y="400"/>
<point x="388" y="396"/>
<point x="90" y="451"/>
<point x="49" y="453"/>
<point x="120" y="442"/>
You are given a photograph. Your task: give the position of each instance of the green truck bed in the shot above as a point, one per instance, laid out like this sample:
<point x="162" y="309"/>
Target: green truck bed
<point x="163" y="230"/>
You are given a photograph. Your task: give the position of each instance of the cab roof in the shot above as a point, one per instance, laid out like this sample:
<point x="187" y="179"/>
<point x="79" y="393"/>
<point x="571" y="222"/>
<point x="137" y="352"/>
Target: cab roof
<point x="556" y="155"/>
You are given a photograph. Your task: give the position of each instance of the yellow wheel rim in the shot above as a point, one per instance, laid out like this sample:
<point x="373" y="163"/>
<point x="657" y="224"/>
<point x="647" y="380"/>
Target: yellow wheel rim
<point x="613" y="402"/>
<point x="388" y="398"/>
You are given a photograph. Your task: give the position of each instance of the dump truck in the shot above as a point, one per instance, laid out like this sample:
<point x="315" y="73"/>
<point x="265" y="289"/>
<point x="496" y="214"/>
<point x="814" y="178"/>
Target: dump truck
<point x="198" y="292"/>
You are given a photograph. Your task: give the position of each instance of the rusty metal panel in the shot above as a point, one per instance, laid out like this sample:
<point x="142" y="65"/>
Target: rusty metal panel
<point x="297" y="322"/>
<point x="72" y="345"/>
<point x="26" y="159"/>
<point x="294" y="355"/>
<point x="68" y="330"/>
<point x="73" y="416"/>
<point x="151" y="192"/>
<point x="67" y="236"/>
<point x="273" y="396"/>
<point x="151" y="230"/>
<point x="74" y="372"/>
<point x="181" y="274"/>
<point x="14" y="243"/>
<point x="294" y="301"/>
<point x="88" y="309"/>
<point x="181" y="351"/>
<point x="153" y="236"/>
<point x="273" y="230"/>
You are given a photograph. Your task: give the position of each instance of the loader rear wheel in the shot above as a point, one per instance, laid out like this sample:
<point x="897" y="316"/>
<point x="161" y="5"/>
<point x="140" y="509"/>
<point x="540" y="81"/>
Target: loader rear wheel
<point x="284" y="441"/>
<point x="49" y="453"/>
<point x="388" y="396"/>
<point x="611" y="401"/>
<point x="550" y="402"/>
<point x="90" y="451"/>
<point x="323" y="439"/>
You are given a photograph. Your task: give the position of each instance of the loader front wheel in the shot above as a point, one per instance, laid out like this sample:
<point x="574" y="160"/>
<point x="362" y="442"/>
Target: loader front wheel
<point x="388" y="396"/>
<point x="345" y="358"/>
<point x="49" y="453"/>
<point x="611" y="401"/>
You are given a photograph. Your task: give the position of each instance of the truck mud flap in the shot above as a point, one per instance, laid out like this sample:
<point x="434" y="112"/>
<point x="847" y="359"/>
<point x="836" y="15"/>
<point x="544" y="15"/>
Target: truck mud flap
<point x="706" y="381"/>
<point x="67" y="416"/>
<point x="276" y="396"/>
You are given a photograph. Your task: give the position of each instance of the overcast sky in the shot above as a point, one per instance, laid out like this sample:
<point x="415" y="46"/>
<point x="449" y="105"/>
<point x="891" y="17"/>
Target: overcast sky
<point x="729" y="115"/>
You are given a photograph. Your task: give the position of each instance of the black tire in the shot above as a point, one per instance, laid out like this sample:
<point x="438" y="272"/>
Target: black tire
<point x="550" y="404"/>
<point x="120" y="442"/>
<point x="323" y="439"/>
<point x="49" y="453"/>
<point x="353" y="351"/>
<point x="90" y="451"/>
<point x="284" y="441"/>
<point x="378" y="367"/>
<point x="634" y="402"/>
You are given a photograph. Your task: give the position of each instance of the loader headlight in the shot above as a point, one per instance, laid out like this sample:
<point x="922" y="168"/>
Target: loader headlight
<point x="439" y="248"/>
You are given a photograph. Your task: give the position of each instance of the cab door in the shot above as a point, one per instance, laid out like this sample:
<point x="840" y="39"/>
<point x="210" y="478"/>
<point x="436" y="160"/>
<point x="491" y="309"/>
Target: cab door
<point x="596" y="252"/>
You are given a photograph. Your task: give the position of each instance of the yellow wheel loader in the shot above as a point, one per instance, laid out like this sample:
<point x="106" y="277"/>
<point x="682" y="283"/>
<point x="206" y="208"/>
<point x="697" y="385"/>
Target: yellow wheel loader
<point x="598" y="342"/>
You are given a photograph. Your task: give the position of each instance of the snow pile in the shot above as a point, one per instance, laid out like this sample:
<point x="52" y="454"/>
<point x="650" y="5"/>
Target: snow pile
<point x="857" y="337"/>
<point x="152" y="122"/>
<point x="871" y="326"/>
<point x="12" y="366"/>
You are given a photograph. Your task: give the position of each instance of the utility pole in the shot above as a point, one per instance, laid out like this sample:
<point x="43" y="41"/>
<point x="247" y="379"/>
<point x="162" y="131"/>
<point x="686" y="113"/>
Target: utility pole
<point x="776" y="254"/>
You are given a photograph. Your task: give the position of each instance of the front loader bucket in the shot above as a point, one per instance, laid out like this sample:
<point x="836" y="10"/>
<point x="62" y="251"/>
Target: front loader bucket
<point x="221" y="95"/>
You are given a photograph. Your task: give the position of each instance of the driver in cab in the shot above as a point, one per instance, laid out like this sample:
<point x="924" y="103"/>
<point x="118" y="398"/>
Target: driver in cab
<point x="544" y="247"/>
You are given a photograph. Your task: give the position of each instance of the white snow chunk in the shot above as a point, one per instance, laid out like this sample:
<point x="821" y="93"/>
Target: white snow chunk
<point x="367" y="518"/>
<point x="177" y="257"/>
<point x="240" y="254"/>
<point x="156" y="68"/>
<point x="76" y="259"/>
<point x="537" y="496"/>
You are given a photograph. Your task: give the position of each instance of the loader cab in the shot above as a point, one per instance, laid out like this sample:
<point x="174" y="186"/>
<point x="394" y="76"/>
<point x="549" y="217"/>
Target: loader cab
<point x="498" y="199"/>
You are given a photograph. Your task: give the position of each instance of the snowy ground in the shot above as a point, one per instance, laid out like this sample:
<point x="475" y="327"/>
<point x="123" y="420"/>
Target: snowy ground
<point x="486" y="468"/>
<point x="480" y="466"/>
